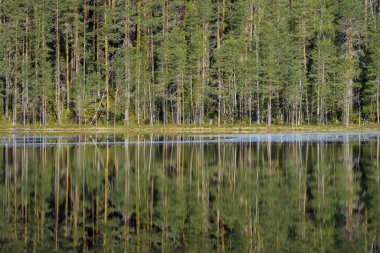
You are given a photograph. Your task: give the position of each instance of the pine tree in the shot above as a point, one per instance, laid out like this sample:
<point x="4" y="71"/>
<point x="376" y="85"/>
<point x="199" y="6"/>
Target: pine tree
<point x="351" y="23"/>
<point x="374" y="66"/>
<point x="303" y="20"/>
<point x="196" y="26"/>
<point x="324" y="71"/>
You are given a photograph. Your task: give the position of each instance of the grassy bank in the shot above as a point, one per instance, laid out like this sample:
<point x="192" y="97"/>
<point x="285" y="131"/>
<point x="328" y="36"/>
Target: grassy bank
<point x="176" y="129"/>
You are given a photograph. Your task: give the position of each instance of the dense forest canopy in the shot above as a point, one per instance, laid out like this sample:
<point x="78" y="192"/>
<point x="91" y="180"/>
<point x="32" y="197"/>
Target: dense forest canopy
<point x="189" y="61"/>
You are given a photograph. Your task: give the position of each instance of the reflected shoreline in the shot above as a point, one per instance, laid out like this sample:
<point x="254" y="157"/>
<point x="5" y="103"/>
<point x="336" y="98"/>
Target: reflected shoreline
<point x="118" y="139"/>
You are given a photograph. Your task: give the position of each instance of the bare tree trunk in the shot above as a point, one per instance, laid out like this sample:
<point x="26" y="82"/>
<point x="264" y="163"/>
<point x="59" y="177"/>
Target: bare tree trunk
<point x="14" y="109"/>
<point x="7" y="87"/>
<point x="58" y="68"/>
<point x="77" y="62"/>
<point x="127" y="77"/>
<point x="25" y="89"/>
<point x="218" y="31"/>
<point x="258" y="121"/>
<point x="23" y="80"/>
<point x="76" y="37"/>
<point x="377" y="100"/>
<point x="269" y="110"/>
<point x="152" y="77"/>
<point x="138" y="60"/>
<point x="366" y="24"/>
<point x="106" y="62"/>
<point x="36" y="62"/>
<point x="44" y="64"/>
<point x="100" y="94"/>
<point x="205" y="63"/>
<point x="85" y="13"/>
<point x="349" y="84"/>
<point x="67" y="66"/>
<point x="304" y="88"/>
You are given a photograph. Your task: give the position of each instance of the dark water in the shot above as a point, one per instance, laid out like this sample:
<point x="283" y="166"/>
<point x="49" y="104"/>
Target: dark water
<point x="226" y="193"/>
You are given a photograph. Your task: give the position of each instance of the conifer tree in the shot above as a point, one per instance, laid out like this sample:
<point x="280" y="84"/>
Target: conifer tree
<point x="374" y="66"/>
<point x="180" y="62"/>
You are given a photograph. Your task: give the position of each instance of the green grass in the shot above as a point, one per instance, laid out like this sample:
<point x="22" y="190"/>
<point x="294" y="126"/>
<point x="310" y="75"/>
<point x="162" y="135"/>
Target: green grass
<point x="179" y="129"/>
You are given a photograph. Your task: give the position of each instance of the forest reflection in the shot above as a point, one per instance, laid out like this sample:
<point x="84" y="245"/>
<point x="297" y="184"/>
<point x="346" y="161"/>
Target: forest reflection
<point x="168" y="194"/>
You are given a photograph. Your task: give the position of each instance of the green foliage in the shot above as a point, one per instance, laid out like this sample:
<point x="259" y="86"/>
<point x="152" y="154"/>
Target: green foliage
<point x="162" y="61"/>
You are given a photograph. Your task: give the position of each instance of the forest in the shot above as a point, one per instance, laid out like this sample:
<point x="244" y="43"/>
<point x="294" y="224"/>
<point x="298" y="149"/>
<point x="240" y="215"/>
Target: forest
<point x="121" y="62"/>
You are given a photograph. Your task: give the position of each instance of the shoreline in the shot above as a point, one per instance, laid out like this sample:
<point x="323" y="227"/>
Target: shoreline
<point x="183" y="129"/>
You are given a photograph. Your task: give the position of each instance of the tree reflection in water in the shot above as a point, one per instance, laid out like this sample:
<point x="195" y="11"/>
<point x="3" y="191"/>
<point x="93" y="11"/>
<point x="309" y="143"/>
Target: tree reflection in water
<point x="190" y="193"/>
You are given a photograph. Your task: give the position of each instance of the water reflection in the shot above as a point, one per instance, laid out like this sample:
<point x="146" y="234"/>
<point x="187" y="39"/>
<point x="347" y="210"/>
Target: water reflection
<point x="229" y="193"/>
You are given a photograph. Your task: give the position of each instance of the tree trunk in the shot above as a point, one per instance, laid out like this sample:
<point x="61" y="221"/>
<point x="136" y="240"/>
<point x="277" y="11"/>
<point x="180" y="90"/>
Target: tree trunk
<point x="127" y="77"/>
<point x="165" y="25"/>
<point x="44" y="65"/>
<point x="76" y="38"/>
<point x="67" y="67"/>
<point x="349" y="84"/>
<point x="106" y="61"/>
<point x="138" y="60"/>
<point x="14" y="108"/>
<point x="36" y="62"/>
<point x="7" y="87"/>
<point x="218" y="28"/>
<point x="269" y="111"/>
<point x="58" y="68"/>
<point x="25" y="93"/>
<point x="304" y="88"/>
<point x="152" y="77"/>
<point x="377" y="100"/>
<point x="365" y="24"/>
<point x="100" y="94"/>
<point x="258" y="121"/>
<point x="205" y="63"/>
<point x="83" y="86"/>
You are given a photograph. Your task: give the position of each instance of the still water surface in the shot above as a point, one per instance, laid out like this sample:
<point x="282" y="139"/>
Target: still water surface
<point x="202" y="193"/>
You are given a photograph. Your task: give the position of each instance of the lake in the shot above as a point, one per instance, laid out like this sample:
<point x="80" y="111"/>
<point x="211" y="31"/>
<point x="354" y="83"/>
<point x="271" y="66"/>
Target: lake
<point x="305" y="192"/>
